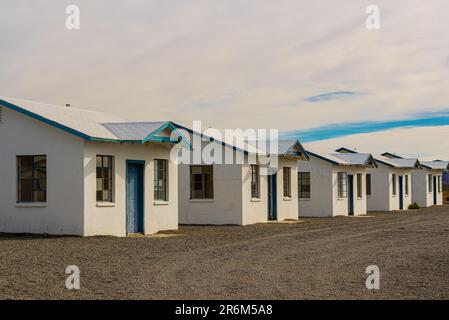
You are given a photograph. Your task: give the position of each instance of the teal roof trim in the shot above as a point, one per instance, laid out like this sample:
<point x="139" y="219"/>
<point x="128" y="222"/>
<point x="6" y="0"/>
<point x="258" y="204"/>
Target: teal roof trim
<point x="211" y="139"/>
<point x="152" y="137"/>
<point x="47" y="121"/>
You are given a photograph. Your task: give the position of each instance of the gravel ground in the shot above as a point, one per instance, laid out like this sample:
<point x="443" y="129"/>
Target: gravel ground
<point x="315" y="258"/>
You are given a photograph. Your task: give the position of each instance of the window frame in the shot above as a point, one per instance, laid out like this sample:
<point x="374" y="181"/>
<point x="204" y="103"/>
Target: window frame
<point x="430" y="183"/>
<point x="110" y="180"/>
<point x="406" y="185"/>
<point x="359" y="179"/>
<point x="393" y="182"/>
<point x="440" y="183"/>
<point x="161" y="195"/>
<point x="203" y="182"/>
<point x="342" y="185"/>
<point x="368" y="180"/>
<point x="35" y="181"/>
<point x="302" y="194"/>
<point x="287" y="181"/>
<point x="255" y="181"/>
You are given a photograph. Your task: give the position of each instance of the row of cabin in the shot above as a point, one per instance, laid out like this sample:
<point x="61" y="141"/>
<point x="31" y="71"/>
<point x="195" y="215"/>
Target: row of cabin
<point x="73" y="171"/>
<point x="347" y="182"/>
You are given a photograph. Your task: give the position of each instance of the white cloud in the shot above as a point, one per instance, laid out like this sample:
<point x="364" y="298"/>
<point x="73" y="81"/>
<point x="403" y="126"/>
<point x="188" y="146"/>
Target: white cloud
<point x="229" y="63"/>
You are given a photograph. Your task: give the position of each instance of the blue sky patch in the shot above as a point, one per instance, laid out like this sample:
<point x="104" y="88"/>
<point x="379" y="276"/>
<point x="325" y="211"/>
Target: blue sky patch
<point x="330" y="96"/>
<point x="345" y="129"/>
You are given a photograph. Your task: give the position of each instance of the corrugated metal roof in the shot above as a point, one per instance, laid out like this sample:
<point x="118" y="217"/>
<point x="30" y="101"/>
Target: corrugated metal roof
<point x="345" y="159"/>
<point x="354" y="159"/>
<point x="405" y="163"/>
<point x="132" y="130"/>
<point x="284" y="147"/>
<point x="91" y="125"/>
<point x="388" y="158"/>
<point x="436" y="165"/>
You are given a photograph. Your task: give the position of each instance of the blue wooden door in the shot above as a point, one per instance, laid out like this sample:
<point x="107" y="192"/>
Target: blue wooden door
<point x="134" y="197"/>
<point x="401" y="194"/>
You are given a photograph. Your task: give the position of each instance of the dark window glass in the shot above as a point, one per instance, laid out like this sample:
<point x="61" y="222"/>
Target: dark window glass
<point x="406" y="184"/>
<point x="104" y="179"/>
<point x="201" y="182"/>
<point x="255" y="181"/>
<point x="430" y="183"/>
<point x="287" y="182"/>
<point x="160" y="180"/>
<point x="368" y="184"/>
<point x="304" y="185"/>
<point x="359" y="185"/>
<point x="32" y="178"/>
<point x="342" y="182"/>
<point x="393" y="181"/>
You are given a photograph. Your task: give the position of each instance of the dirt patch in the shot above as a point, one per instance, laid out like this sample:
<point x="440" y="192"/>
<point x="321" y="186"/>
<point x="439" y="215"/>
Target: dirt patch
<point x="317" y="258"/>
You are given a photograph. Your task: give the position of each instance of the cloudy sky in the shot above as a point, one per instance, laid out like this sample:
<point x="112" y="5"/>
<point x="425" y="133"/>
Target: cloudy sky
<point x="309" y="68"/>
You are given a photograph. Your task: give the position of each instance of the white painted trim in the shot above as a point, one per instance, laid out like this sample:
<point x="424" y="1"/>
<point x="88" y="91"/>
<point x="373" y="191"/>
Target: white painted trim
<point x="160" y="203"/>
<point x="31" y="204"/>
<point x="202" y="200"/>
<point x="287" y="199"/>
<point x="105" y="204"/>
<point x="256" y="200"/>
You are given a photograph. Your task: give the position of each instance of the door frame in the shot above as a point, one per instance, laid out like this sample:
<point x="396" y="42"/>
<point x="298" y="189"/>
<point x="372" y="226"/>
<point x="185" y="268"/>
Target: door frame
<point x="272" y="197"/>
<point x="401" y="193"/>
<point x="350" y="194"/>
<point x="142" y="192"/>
<point x="435" y="190"/>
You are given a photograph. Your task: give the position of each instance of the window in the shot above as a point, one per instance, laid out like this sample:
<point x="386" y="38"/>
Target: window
<point x="201" y="182"/>
<point x="429" y="181"/>
<point x="32" y="178"/>
<point x="406" y="184"/>
<point x="104" y="178"/>
<point x="368" y="184"/>
<point x="304" y="185"/>
<point x="440" y="184"/>
<point x="342" y="180"/>
<point x="393" y="181"/>
<point x="286" y="173"/>
<point x="359" y="185"/>
<point x="160" y="180"/>
<point x="255" y="181"/>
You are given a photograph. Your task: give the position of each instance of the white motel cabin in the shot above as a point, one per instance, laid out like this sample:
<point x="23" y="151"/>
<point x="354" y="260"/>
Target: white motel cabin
<point x="239" y="193"/>
<point x="72" y="171"/>
<point x="333" y="184"/>
<point x="389" y="184"/>
<point x="427" y="184"/>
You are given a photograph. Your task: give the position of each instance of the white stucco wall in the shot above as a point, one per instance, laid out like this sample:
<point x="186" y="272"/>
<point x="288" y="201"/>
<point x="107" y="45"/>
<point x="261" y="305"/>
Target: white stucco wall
<point x="380" y="188"/>
<point x="224" y="208"/>
<point x="254" y="210"/>
<point x="111" y="220"/>
<point x="287" y="207"/>
<point x="420" y="191"/>
<point x="320" y="203"/>
<point x="341" y="205"/>
<point x="63" y="211"/>
<point x="382" y="198"/>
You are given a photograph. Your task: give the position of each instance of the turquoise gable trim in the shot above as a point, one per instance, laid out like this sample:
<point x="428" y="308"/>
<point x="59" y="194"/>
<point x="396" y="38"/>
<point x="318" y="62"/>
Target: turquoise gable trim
<point x="152" y="137"/>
